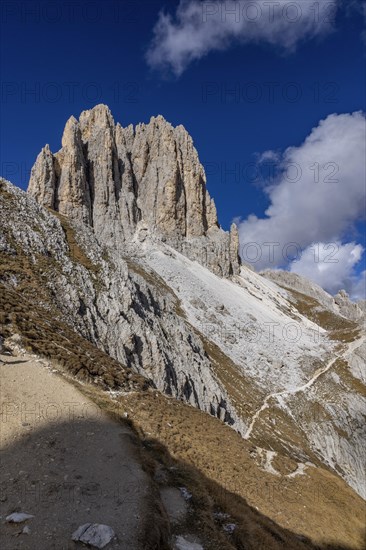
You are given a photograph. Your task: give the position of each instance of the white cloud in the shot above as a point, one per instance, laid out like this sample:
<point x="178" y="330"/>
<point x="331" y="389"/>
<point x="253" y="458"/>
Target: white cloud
<point x="358" y="288"/>
<point x="330" y="265"/>
<point x="268" y="156"/>
<point x="199" y="27"/>
<point x="318" y="195"/>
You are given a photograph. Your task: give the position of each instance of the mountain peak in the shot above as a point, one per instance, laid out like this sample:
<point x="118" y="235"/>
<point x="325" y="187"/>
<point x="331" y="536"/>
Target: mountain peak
<point x="71" y="132"/>
<point x="99" y="116"/>
<point x="118" y="179"/>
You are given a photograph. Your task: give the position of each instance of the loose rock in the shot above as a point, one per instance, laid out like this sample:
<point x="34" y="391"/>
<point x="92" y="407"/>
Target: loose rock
<point x="94" y="534"/>
<point x="18" y="517"/>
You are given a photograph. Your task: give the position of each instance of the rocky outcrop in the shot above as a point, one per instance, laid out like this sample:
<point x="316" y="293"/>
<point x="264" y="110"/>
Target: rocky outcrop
<point x="347" y="308"/>
<point x="123" y="181"/>
<point x="340" y="304"/>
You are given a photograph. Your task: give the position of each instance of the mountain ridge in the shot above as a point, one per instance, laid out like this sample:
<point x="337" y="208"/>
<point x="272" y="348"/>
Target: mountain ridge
<point x="153" y="181"/>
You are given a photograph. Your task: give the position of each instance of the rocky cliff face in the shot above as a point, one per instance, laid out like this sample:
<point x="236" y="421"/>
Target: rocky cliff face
<point x="125" y="181"/>
<point x="113" y="302"/>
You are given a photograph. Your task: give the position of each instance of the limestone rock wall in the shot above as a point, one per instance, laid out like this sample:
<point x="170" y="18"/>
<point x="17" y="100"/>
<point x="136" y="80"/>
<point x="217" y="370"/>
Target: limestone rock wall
<point x="118" y="180"/>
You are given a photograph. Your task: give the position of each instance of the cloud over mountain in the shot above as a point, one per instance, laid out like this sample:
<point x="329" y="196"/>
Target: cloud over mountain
<point x="317" y="197"/>
<point x="331" y="265"/>
<point x="197" y="28"/>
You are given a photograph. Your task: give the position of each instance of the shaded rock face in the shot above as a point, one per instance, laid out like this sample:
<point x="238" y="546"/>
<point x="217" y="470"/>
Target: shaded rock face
<point x="117" y="305"/>
<point x="126" y="181"/>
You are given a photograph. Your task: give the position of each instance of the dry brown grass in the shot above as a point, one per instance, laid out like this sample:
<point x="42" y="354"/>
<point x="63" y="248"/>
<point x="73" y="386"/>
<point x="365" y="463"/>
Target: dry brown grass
<point x="341" y="368"/>
<point x="243" y="394"/>
<point x="217" y="467"/>
<point x="339" y="328"/>
<point x="42" y="333"/>
<point x="77" y="254"/>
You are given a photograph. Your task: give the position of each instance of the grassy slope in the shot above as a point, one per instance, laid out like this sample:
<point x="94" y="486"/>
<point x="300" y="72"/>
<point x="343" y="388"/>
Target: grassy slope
<point x="338" y="328"/>
<point x="220" y="470"/>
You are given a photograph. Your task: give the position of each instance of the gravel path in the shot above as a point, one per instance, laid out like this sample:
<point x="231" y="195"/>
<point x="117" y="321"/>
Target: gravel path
<point x="65" y="462"/>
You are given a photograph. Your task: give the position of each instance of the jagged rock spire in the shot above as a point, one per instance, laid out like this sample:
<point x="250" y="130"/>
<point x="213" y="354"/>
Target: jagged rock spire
<point x="42" y="183"/>
<point x="118" y="179"/>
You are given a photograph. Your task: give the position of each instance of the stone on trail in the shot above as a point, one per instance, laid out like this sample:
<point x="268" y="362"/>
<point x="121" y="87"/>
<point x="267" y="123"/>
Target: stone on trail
<point x="181" y="543"/>
<point x="94" y="534"/>
<point x="18" y="517"/>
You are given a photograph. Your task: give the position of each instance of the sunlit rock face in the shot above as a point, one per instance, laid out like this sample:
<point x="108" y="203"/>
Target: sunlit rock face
<point x="124" y="181"/>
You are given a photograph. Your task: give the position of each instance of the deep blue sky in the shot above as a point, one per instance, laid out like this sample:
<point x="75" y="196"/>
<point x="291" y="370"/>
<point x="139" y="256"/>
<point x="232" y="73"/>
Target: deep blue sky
<point x="104" y="59"/>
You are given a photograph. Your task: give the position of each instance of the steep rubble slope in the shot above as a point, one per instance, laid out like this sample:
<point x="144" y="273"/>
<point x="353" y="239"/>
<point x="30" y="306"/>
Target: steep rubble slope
<point x="301" y="377"/>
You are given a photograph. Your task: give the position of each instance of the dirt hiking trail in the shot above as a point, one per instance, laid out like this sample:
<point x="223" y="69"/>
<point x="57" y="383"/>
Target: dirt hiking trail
<point x="65" y="462"/>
